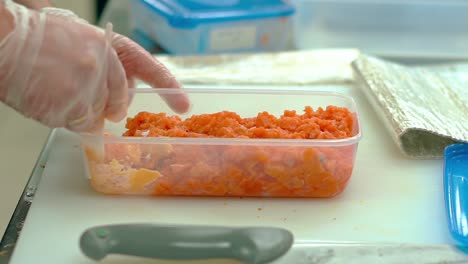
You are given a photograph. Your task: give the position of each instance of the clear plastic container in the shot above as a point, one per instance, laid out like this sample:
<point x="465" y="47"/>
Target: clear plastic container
<point x="399" y="28"/>
<point x="210" y="27"/>
<point x="223" y="166"/>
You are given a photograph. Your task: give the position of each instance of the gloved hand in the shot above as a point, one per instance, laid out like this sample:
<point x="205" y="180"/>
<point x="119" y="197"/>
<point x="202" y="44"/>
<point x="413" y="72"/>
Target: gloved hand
<point x="64" y="73"/>
<point x="137" y="62"/>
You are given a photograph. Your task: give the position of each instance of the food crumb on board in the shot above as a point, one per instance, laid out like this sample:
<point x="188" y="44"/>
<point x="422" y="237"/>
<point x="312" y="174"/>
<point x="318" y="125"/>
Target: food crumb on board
<point x="259" y="209"/>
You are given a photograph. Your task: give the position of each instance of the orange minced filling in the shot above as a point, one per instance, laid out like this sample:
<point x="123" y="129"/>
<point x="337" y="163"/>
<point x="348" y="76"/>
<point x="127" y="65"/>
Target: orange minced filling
<point x="331" y="123"/>
<point x="230" y="170"/>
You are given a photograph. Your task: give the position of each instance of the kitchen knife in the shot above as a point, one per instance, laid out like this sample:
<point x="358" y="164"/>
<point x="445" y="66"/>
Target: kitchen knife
<point x="253" y="245"/>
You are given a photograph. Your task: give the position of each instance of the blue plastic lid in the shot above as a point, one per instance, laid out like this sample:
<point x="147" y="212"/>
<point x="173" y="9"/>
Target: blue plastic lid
<point x="456" y="190"/>
<point x="190" y="13"/>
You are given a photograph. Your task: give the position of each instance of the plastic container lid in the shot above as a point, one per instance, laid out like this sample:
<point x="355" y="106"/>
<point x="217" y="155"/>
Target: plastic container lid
<point x="456" y="191"/>
<point x="190" y="13"/>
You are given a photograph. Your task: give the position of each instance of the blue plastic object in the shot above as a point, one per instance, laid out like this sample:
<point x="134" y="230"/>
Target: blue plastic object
<point x="190" y="13"/>
<point x="456" y="191"/>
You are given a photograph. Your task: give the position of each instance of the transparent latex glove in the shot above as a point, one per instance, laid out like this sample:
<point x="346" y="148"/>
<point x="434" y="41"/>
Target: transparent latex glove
<point x="138" y="63"/>
<point x="60" y="72"/>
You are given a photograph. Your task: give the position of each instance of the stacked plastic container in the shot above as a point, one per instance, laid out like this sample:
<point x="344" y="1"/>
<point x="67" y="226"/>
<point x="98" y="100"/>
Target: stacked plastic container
<point x="208" y="27"/>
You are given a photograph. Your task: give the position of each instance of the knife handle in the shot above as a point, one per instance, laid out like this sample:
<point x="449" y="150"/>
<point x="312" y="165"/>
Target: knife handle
<point x="169" y="242"/>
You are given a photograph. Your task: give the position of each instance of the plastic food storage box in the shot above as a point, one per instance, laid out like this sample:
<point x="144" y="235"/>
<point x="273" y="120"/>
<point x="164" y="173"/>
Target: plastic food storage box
<point x="413" y="28"/>
<point x="208" y="27"/>
<point x="164" y="166"/>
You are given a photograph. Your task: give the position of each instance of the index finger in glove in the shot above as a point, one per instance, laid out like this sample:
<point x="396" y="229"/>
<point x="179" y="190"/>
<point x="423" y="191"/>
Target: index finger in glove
<point x="138" y="63"/>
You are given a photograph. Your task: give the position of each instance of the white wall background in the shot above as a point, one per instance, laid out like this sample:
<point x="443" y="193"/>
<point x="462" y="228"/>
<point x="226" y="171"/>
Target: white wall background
<point x="84" y="8"/>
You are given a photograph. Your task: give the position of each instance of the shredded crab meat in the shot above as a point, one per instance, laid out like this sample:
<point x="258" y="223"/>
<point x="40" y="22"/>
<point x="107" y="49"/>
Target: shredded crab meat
<point x="231" y="170"/>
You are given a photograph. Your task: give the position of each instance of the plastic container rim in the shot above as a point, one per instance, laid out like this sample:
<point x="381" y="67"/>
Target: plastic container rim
<point x="235" y="141"/>
<point x="192" y="21"/>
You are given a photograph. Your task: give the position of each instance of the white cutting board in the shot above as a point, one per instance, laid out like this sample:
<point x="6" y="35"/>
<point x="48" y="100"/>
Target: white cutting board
<point x="389" y="199"/>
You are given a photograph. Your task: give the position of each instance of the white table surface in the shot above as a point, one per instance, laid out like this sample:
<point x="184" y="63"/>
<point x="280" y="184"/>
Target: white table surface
<point x="389" y="199"/>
